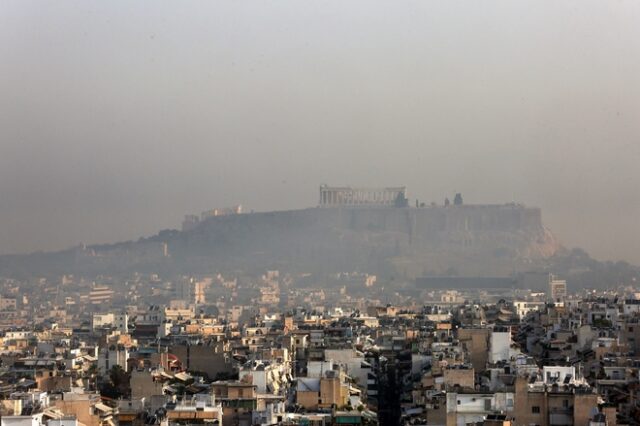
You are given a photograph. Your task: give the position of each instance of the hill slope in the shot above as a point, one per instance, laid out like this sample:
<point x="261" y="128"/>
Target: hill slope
<point x="407" y="242"/>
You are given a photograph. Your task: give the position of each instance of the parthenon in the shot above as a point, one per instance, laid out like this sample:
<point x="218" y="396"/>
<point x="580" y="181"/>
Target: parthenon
<point x="331" y="196"/>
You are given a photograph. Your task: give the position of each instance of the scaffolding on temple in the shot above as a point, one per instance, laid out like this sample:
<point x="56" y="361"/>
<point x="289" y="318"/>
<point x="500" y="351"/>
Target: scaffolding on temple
<point x="346" y="196"/>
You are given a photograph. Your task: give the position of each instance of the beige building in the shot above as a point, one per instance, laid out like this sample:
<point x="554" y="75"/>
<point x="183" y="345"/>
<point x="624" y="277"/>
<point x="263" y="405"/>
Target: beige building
<point x="553" y="405"/>
<point x="144" y="384"/>
<point x="87" y="408"/>
<point x="557" y="289"/>
<point x="459" y="377"/>
<point x="200" y="409"/>
<point x="238" y="400"/>
<point x="7" y="304"/>
<point x="326" y="392"/>
<point x="475" y="341"/>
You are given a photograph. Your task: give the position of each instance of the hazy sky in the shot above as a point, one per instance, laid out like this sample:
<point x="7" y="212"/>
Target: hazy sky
<point x="117" y="118"/>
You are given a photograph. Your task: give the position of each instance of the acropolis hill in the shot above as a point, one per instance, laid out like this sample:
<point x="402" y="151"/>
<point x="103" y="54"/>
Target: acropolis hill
<point x="474" y="239"/>
<point x="372" y="231"/>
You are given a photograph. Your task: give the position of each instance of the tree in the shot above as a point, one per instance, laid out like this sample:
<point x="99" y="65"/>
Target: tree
<point x="118" y="384"/>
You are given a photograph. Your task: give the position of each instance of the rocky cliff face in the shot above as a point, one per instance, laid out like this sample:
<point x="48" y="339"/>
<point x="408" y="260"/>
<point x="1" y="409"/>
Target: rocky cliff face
<point x="388" y="241"/>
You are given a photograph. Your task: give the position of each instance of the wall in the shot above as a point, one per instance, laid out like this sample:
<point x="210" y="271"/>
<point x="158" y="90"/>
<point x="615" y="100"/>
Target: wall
<point x="524" y="400"/>
<point x="500" y="346"/>
<point x="202" y="358"/>
<point x="143" y="385"/>
<point x="459" y="376"/>
<point x="476" y="340"/>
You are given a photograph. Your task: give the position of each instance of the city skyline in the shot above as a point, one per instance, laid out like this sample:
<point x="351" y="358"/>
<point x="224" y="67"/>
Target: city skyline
<point x="295" y="213"/>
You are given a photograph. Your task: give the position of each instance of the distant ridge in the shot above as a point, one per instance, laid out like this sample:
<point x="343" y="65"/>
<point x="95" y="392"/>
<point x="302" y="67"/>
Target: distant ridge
<point x="478" y="240"/>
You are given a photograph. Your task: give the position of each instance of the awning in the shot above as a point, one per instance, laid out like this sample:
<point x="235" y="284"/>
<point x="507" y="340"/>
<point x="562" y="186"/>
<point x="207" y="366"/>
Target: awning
<point x="104" y="408"/>
<point x="183" y="376"/>
<point x="53" y="413"/>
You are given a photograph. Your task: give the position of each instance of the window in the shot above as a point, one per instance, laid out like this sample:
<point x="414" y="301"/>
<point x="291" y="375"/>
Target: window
<point x="535" y="409"/>
<point x="565" y="403"/>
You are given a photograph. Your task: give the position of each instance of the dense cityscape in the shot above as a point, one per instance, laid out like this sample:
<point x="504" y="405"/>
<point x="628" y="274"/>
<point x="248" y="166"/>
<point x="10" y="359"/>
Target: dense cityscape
<point x="319" y="213"/>
<point x="342" y="348"/>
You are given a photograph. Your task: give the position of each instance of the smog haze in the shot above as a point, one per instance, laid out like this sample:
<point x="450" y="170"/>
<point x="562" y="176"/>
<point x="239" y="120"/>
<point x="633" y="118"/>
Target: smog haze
<point x="118" y="118"/>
